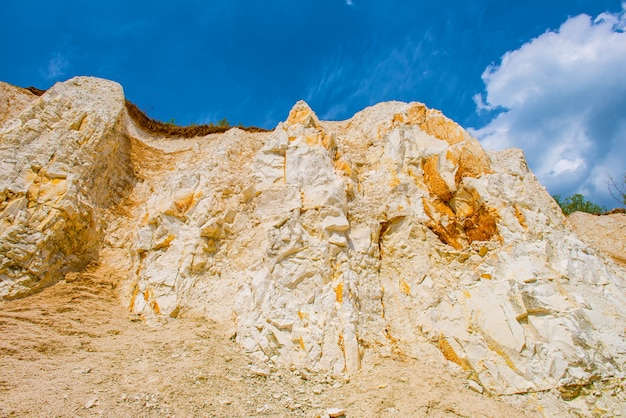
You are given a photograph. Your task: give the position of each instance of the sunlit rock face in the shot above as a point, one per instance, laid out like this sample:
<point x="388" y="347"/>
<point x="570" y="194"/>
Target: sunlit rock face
<point x="63" y="159"/>
<point x="322" y="243"/>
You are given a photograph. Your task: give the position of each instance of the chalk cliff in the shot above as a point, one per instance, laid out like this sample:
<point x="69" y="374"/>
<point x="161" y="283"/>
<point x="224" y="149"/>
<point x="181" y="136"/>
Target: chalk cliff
<point x="323" y="244"/>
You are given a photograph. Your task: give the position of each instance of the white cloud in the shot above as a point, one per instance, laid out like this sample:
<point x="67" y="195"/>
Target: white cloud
<point x="56" y="67"/>
<point x="349" y="2"/>
<point x="562" y="98"/>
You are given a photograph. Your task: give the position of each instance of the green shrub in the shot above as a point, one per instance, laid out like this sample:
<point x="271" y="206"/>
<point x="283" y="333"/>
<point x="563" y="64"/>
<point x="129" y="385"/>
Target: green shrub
<point x="223" y="123"/>
<point x="578" y="203"/>
<point x="171" y="130"/>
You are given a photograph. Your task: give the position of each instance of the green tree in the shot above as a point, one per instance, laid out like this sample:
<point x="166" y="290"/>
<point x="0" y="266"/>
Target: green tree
<point x="578" y="203"/>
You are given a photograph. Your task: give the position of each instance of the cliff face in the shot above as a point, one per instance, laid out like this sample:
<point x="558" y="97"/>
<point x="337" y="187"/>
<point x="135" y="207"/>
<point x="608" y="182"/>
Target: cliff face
<point x="64" y="160"/>
<point x="324" y="244"/>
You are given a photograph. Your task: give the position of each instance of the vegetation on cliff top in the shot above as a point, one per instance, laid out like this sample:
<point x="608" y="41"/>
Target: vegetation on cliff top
<point x="170" y="129"/>
<point x="578" y="203"/>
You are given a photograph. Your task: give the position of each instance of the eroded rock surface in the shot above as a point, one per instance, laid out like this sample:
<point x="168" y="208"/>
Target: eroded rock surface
<point x="323" y="244"/>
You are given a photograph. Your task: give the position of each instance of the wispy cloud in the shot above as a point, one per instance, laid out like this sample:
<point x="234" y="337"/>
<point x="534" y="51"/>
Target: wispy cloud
<point x="346" y="82"/>
<point x="56" y="67"/>
<point x="562" y="98"/>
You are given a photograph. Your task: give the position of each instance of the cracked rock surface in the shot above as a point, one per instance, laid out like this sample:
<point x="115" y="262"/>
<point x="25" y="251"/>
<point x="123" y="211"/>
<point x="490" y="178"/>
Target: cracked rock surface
<point x="320" y="246"/>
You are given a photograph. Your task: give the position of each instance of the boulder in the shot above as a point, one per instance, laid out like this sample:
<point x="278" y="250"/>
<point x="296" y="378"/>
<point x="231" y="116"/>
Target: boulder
<point x="63" y="159"/>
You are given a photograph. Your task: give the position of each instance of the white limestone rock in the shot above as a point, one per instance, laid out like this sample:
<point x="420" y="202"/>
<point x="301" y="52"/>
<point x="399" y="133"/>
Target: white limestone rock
<point x="63" y="160"/>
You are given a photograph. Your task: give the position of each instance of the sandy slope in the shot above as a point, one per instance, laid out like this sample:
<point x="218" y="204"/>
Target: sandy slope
<point x="607" y="233"/>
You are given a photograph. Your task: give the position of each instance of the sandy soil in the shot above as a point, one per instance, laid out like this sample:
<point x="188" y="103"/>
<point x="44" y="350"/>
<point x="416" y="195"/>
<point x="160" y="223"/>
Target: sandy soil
<point x="72" y="350"/>
<point x="606" y="233"/>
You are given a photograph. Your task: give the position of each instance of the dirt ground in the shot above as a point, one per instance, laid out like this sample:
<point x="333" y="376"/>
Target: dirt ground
<point x="72" y="350"/>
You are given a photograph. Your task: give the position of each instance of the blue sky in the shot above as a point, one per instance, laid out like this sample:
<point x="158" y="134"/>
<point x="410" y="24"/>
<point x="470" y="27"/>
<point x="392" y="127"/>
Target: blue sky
<point x="547" y="76"/>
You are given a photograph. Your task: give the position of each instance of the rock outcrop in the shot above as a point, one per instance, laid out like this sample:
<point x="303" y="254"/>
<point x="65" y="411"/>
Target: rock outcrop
<point x="322" y="243"/>
<point x="63" y="159"/>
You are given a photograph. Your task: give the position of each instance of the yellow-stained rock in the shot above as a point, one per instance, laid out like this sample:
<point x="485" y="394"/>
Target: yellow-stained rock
<point x="301" y="114"/>
<point x="437" y="125"/>
<point x="436" y="184"/>
<point x="417" y="114"/>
